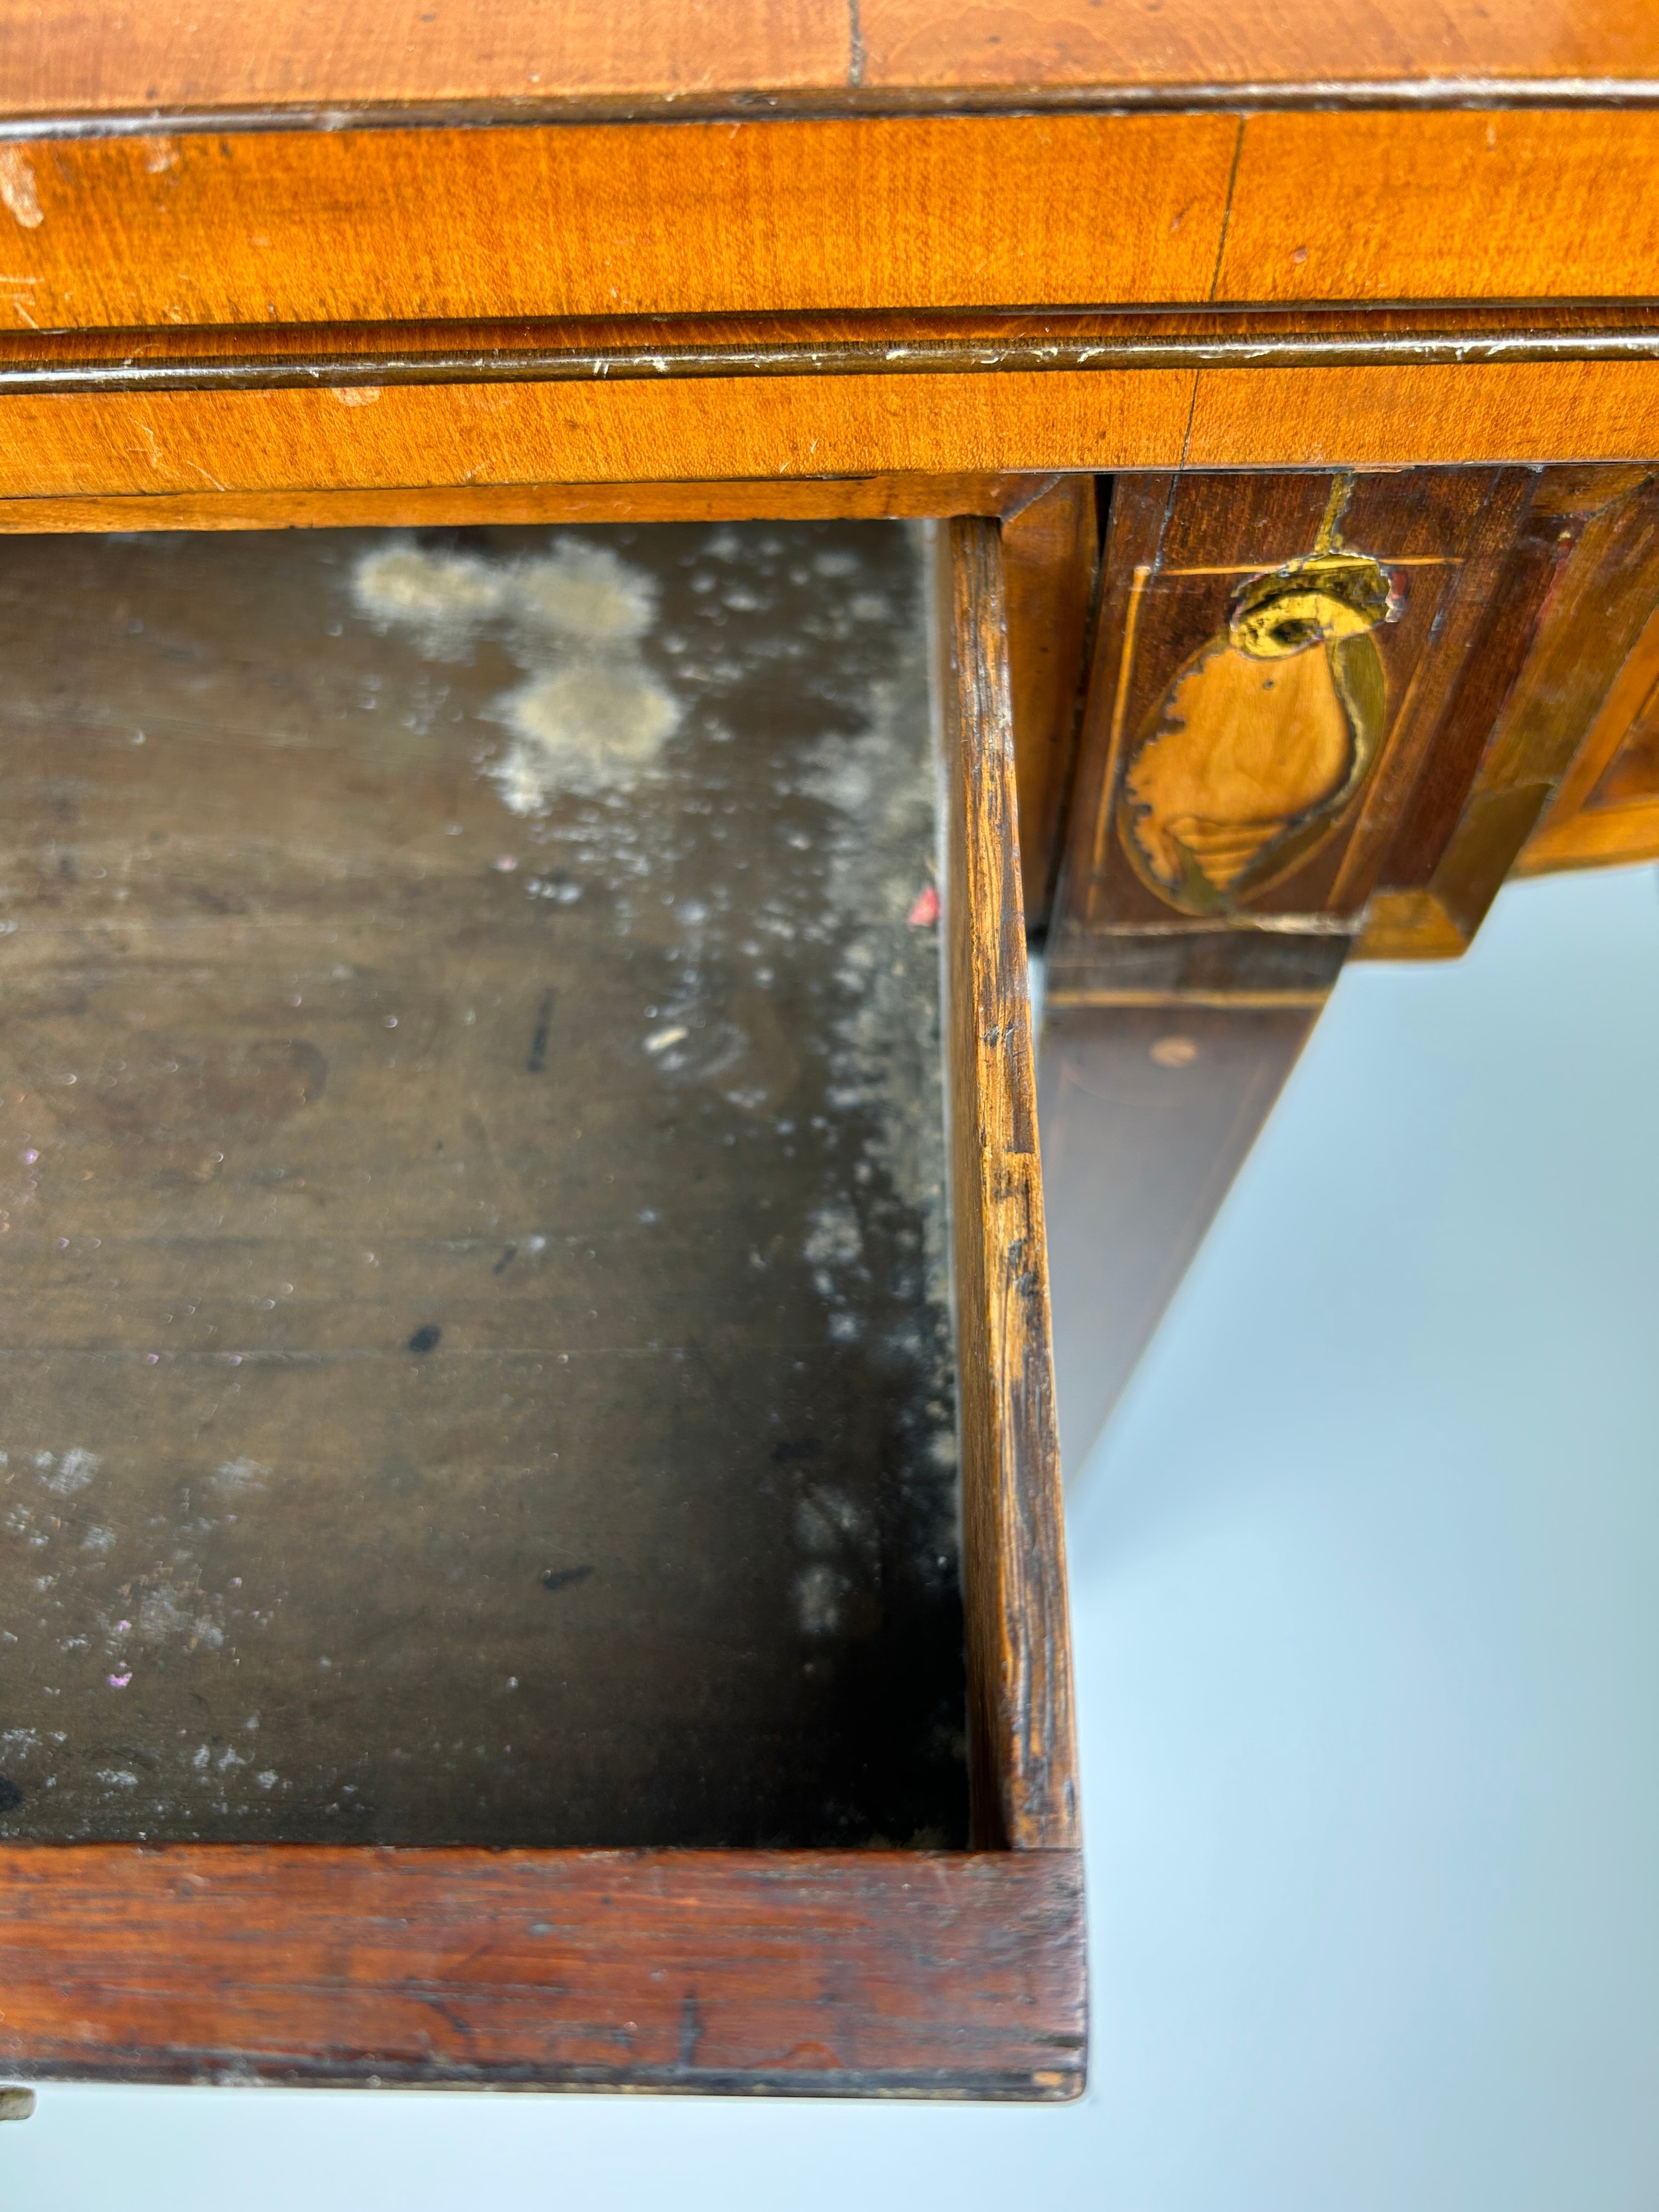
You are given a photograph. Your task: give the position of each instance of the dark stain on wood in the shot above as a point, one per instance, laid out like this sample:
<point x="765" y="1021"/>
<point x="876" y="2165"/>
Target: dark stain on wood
<point x="537" y="1060"/>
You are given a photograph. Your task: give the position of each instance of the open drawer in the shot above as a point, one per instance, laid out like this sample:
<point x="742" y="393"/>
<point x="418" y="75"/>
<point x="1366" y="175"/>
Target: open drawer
<point x="493" y="1371"/>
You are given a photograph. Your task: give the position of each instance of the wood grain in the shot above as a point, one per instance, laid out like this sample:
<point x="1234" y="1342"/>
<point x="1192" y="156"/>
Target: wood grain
<point x="213" y="54"/>
<point x="1310" y="42"/>
<point x="1022" y="1747"/>
<point x="706" y="429"/>
<point x="447" y="506"/>
<point x="1382" y="417"/>
<point x="1455" y="806"/>
<point x="1508" y="204"/>
<point x="216" y="56"/>
<point x="1594" y="621"/>
<point x="1607" y="809"/>
<point x="1050" y="552"/>
<point x="1531" y="564"/>
<point x="305" y="227"/>
<point x="801" y="1973"/>
<point x="1480" y="519"/>
<point x="721" y="429"/>
<point x="200" y="228"/>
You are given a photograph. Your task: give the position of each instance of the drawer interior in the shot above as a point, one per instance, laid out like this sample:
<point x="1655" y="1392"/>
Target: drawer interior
<point x="475" y="1311"/>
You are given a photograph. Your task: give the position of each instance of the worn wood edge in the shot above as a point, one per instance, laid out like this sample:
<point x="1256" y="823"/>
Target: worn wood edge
<point x="769" y="499"/>
<point x="378" y="360"/>
<point x="810" y="1973"/>
<point x="25" y="122"/>
<point x="1021" y="1730"/>
<point x="1269" y="331"/>
<point x="1408" y="925"/>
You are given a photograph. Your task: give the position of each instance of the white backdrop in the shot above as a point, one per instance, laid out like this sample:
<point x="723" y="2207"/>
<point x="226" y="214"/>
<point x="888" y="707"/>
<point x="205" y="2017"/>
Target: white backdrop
<point x="1367" y="1586"/>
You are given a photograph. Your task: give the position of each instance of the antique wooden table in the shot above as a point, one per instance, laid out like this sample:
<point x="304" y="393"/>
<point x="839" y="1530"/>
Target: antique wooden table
<point x="1283" y="382"/>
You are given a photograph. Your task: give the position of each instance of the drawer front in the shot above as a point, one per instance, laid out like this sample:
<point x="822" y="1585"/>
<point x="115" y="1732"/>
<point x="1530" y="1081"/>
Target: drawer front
<point x="806" y="1971"/>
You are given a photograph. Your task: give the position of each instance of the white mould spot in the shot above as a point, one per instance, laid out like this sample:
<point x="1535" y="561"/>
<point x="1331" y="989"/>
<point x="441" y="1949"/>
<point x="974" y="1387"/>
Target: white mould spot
<point x="237" y="1475"/>
<point x="356" y="395"/>
<point x="592" y="717"/>
<point x="17" y="187"/>
<point x="168" y="1611"/>
<point x="877" y="811"/>
<point x="586" y="727"/>
<point x="72" y="1472"/>
<point x="819" y="1592"/>
<point x="585" y="592"/>
<point x="835" y="1238"/>
<point x="443" y="595"/>
<point x="827" y="1519"/>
